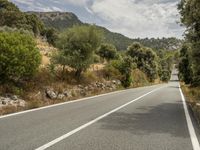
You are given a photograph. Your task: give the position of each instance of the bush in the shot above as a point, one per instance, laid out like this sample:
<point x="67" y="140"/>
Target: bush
<point x="110" y="71"/>
<point x="125" y="67"/>
<point x="165" y="75"/>
<point x="19" y="57"/>
<point x="121" y="69"/>
<point x="107" y="51"/>
<point x="145" y="58"/>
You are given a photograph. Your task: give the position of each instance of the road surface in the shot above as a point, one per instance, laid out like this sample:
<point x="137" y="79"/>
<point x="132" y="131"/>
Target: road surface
<point x="147" y="118"/>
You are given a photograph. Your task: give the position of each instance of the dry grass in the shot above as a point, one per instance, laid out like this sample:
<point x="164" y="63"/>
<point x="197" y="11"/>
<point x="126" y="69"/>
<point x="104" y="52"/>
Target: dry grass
<point x="10" y="109"/>
<point x="192" y="95"/>
<point x="139" y="78"/>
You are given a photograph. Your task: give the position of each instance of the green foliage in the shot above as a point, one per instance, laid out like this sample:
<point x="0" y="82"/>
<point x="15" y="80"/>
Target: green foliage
<point x="11" y="16"/>
<point x="190" y="12"/>
<point x="162" y="43"/>
<point x="125" y="67"/>
<point x="5" y="5"/>
<point x="107" y="51"/>
<point x="77" y="46"/>
<point x="165" y="75"/>
<point x="51" y="36"/>
<point x="97" y="58"/>
<point x="34" y="24"/>
<point x="10" y="30"/>
<point x="185" y="69"/>
<point x="122" y="69"/>
<point x="145" y="58"/>
<point x="165" y="65"/>
<point x="19" y="57"/>
<point x="111" y="72"/>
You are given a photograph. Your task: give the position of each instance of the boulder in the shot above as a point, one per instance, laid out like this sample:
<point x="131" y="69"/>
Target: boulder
<point x="14" y="97"/>
<point x="60" y="96"/>
<point x="50" y="93"/>
<point x="67" y="93"/>
<point x="6" y="101"/>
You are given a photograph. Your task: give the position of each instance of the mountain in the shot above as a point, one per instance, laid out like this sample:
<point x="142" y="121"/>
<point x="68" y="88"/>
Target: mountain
<point x="63" y="20"/>
<point x="58" y="20"/>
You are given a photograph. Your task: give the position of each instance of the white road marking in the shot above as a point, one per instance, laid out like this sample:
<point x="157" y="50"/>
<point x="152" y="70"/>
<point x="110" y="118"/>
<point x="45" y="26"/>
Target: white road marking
<point x="91" y="122"/>
<point x="59" y="104"/>
<point x="193" y="136"/>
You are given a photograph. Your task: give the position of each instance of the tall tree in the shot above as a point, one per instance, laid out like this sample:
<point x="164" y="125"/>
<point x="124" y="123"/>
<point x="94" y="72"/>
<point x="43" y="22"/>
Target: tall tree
<point x="190" y="12"/>
<point x="185" y="69"/>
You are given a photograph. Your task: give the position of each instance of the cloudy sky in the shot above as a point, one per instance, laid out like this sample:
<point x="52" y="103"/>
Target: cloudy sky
<point x="133" y="18"/>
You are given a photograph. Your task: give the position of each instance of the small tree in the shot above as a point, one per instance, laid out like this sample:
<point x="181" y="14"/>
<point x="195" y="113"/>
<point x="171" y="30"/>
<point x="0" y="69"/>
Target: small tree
<point x="107" y="51"/>
<point x="19" y="57"/>
<point x="77" y="46"/>
<point x="51" y="35"/>
<point x="125" y="67"/>
<point x="145" y="58"/>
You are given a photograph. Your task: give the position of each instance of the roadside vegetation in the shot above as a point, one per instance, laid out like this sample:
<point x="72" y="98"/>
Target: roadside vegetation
<point x="190" y="53"/>
<point x="79" y="63"/>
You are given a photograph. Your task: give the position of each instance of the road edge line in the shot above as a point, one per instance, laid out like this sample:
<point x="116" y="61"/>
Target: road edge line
<point x="53" y="142"/>
<point x="193" y="136"/>
<point x="64" y="103"/>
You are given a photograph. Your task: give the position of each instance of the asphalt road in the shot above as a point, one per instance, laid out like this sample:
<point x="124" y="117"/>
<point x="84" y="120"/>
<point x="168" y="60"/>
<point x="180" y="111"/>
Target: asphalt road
<point x="148" y="118"/>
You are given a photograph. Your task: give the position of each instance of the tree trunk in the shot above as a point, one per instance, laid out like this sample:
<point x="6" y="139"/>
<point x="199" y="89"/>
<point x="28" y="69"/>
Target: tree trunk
<point x="78" y="73"/>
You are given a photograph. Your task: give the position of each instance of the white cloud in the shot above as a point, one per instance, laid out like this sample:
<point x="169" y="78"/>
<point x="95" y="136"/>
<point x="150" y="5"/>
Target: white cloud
<point x="147" y="18"/>
<point x="134" y="18"/>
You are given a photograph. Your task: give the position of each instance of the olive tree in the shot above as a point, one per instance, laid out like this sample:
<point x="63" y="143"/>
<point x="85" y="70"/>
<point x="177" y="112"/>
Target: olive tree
<point x="77" y="46"/>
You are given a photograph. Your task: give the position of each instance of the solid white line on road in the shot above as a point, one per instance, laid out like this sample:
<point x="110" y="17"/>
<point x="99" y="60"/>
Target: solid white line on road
<point x="59" y="104"/>
<point x="91" y="122"/>
<point x="193" y="136"/>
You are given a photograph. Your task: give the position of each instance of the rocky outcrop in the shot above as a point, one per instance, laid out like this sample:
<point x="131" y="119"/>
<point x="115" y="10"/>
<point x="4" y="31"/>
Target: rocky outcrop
<point x="82" y="90"/>
<point x="11" y="100"/>
<point x="50" y="93"/>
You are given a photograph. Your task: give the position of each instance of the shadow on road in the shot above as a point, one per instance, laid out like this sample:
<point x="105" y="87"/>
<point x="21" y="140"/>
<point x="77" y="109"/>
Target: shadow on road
<point x="167" y="118"/>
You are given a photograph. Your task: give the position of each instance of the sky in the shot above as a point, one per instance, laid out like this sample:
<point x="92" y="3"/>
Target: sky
<point x="133" y="18"/>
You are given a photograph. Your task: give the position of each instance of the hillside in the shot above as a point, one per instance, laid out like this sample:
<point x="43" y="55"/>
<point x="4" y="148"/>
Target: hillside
<point x="63" y="20"/>
<point x="58" y="20"/>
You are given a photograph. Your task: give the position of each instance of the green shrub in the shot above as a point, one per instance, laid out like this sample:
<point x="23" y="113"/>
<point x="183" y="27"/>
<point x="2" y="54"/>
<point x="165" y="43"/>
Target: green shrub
<point x="107" y="51"/>
<point x="165" y="75"/>
<point x="111" y="72"/>
<point x="145" y="58"/>
<point x="77" y="46"/>
<point x="19" y="57"/>
<point x="121" y="69"/>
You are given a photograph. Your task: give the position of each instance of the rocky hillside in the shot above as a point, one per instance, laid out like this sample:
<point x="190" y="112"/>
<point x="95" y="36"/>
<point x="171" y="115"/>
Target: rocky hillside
<point x="58" y="20"/>
<point x="63" y="20"/>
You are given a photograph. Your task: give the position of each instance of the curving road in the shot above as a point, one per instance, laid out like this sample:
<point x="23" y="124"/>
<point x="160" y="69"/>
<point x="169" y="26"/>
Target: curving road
<point x="147" y="118"/>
